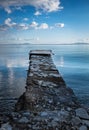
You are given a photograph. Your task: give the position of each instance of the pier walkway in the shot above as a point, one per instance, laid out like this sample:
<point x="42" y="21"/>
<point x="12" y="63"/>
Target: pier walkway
<point x="45" y="87"/>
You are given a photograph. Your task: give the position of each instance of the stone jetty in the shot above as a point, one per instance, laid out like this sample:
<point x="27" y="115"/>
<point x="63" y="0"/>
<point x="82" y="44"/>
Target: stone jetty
<point x="47" y="103"/>
<point x="45" y="88"/>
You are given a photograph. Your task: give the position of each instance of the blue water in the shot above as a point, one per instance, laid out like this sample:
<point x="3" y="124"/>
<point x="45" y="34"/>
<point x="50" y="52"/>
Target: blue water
<point x="72" y="62"/>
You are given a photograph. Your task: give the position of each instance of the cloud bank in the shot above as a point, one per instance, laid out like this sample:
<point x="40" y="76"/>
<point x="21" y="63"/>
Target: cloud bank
<point x="9" y="24"/>
<point x="45" y="5"/>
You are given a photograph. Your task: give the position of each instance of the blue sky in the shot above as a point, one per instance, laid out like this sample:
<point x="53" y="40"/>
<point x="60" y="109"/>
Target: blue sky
<point x="44" y="21"/>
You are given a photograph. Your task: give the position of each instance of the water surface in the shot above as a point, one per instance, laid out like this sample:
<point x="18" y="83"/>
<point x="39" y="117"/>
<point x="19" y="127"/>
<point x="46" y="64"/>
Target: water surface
<point x="72" y="62"/>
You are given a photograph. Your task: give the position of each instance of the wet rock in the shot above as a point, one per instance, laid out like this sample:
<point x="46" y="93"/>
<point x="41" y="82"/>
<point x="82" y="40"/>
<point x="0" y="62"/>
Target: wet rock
<point x="82" y="113"/>
<point x="63" y="115"/>
<point x="83" y="127"/>
<point x="55" y="75"/>
<point x="31" y="74"/>
<point x="26" y="114"/>
<point x="54" y="124"/>
<point x="23" y="120"/>
<point x="15" y="115"/>
<point x="40" y="82"/>
<point x="69" y="109"/>
<point x="6" y="126"/>
<point x="44" y="114"/>
<point x="85" y="122"/>
<point x="4" y="119"/>
<point x="76" y="121"/>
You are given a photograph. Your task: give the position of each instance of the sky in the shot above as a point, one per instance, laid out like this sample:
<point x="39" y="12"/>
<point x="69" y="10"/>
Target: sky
<point x="44" y="21"/>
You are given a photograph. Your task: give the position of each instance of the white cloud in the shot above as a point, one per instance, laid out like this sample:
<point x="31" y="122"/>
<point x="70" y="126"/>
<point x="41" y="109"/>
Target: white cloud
<point x="34" y="25"/>
<point x="37" y="13"/>
<point x="25" y="19"/>
<point x="23" y="26"/>
<point x="46" y="5"/>
<point x="9" y="22"/>
<point x="3" y="27"/>
<point x="61" y="25"/>
<point x="8" y="10"/>
<point x="43" y="26"/>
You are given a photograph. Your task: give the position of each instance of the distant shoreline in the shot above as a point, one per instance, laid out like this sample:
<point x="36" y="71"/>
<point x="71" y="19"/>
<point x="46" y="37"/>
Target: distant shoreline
<point x="46" y="44"/>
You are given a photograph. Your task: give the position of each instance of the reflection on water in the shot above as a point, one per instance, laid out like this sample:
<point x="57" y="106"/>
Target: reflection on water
<point x="12" y="82"/>
<point x="16" y="63"/>
<point x="13" y="66"/>
<point x="60" y="62"/>
<point x="12" y="85"/>
<point x="11" y="76"/>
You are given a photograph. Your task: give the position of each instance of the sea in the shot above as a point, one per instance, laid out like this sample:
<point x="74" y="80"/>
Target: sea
<point x="72" y="61"/>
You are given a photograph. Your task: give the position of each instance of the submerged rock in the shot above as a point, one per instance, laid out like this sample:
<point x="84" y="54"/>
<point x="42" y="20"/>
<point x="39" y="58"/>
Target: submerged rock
<point x="76" y="121"/>
<point x="83" y="127"/>
<point x="23" y="120"/>
<point x="6" y="126"/>
<point x="86" y="122"/>
<point x="82" y="113"/>
<point x="44" y="114"/>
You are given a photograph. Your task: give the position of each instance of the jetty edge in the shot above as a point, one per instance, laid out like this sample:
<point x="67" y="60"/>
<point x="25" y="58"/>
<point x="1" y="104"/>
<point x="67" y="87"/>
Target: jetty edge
<point x="47" y="103"/>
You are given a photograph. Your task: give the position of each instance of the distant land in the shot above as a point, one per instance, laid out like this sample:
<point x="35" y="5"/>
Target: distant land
<point x="77" y="43"/>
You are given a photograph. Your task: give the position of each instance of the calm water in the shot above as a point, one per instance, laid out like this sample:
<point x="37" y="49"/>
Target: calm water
<point x="71" y="60"/>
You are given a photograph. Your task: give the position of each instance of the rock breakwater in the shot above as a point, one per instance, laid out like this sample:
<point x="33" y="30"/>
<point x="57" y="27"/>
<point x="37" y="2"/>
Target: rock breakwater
<point x="47" y="103"/>
<point x="45" y="87"/>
